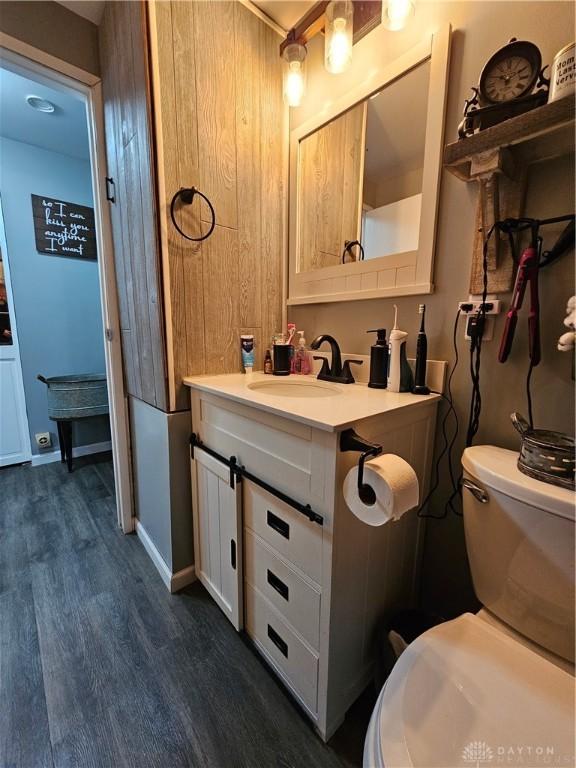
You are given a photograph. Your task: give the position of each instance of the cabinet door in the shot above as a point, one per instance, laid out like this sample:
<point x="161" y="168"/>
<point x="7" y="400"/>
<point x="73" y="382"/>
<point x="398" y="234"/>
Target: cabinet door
<point x="218" y="534"/>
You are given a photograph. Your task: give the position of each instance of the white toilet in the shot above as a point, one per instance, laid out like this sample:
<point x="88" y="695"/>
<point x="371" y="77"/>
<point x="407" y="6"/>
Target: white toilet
<point x="495" y="688"/>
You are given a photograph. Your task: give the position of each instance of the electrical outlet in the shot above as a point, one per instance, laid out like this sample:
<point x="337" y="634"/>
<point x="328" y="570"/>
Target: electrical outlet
<point x="487" y="331"/>
<point x="472" y="307"/>
<point x="43" y="439"/>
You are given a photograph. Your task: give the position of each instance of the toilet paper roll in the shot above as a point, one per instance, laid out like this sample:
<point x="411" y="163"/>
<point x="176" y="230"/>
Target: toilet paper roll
<point x="395" y="484"/>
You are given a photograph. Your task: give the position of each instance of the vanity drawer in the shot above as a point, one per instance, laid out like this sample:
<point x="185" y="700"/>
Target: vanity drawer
<point x="292" y="595"/>
<point x="287" y="652"/>
<point x="290" y="532"/>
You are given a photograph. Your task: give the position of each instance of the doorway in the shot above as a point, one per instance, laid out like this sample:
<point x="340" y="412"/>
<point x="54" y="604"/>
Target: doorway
<point x="78" y="277"/>
<point x="14" y="435"/>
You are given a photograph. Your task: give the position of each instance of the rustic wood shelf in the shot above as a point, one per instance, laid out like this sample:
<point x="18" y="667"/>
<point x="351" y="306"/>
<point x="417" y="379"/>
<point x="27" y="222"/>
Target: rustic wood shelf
<point x="541" y="134"/>
<point x="498" y="159"/>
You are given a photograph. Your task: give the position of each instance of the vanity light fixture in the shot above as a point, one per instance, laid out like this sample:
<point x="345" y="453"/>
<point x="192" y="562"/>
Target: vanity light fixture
<point x="338" y="35"/>
<point x="344" y="23"/>
<point x="40" y="105"/>
<point x="294" y="73"/>
<point x="396" y="14"/>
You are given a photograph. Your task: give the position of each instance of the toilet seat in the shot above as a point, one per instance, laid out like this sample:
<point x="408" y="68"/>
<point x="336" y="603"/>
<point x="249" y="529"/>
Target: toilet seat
<point x="464" y="693"/>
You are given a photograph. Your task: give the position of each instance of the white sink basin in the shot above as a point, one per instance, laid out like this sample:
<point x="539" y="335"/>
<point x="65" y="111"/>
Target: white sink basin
<point x="289" y="387"/>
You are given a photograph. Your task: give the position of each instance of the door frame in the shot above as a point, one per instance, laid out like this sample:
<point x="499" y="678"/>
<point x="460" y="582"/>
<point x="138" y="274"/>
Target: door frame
<point x="23" y="412"/>
<point x="54" y="71"/>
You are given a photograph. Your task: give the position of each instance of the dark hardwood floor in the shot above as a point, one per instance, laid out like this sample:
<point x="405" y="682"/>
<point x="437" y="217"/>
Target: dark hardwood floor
<point x="101" y="667"/>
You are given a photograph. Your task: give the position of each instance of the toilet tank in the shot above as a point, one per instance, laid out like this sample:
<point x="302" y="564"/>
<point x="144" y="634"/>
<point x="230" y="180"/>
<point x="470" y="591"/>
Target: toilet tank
<point x="520" y="542"/>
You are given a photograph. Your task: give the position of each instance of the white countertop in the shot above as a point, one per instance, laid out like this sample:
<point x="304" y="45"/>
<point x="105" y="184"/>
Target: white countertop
<point x="348" y="404"/>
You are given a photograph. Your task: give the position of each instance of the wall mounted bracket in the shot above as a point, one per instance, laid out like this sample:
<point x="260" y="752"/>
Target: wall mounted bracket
<point x="351" y="441"/>
<point x="367" y="16"/>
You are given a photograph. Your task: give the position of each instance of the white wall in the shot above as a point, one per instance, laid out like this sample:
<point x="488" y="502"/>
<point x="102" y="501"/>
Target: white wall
<point x="392" y="228"/>
<point x="56" y="299"/>
<point x="479" y="28"/>
<point x="161" y="463"/>
<point x="387" y="189"/>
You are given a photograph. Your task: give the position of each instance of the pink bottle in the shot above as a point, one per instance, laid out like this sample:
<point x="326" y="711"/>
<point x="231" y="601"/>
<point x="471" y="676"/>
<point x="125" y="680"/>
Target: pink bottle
<point x="302" y="357"/>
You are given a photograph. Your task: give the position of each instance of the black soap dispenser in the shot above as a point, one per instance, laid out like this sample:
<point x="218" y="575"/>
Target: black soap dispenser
<point x="379" y="360"/>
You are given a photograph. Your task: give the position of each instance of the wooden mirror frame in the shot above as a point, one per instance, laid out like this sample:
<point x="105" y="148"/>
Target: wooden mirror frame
<point x="400" y="274"/>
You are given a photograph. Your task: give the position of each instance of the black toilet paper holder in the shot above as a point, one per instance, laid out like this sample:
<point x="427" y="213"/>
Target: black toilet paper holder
<point x="351" y="441"/>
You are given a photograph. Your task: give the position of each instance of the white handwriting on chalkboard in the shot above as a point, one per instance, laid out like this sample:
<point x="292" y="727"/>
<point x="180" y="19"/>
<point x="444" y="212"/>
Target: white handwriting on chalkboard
<point x="63" y="237"/>
<point x="48" y="205"/>
<point x="58" y="223"/>
<point x="62" y="227"/>
<point x="67" y="234"/>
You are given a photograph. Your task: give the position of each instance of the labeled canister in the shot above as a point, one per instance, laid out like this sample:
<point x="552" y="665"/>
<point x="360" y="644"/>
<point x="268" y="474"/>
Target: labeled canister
<point x="563" y="75"/>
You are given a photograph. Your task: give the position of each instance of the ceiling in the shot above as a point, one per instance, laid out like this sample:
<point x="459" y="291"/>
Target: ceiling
<point x="285" y="12"/>
<point x="396" y="125"/>
<point x="64" y="131"/>
<point x="88" y="9"/>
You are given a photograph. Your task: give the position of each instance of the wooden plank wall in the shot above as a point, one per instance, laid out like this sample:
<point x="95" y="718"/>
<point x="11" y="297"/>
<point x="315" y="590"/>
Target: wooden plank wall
<point x="126" y="94"/>
<point x="331" y="168"/>
<point x="221" y="126"/>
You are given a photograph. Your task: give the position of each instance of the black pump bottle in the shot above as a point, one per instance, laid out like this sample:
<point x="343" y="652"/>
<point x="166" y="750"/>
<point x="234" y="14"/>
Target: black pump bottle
<point x="379" y="360"/>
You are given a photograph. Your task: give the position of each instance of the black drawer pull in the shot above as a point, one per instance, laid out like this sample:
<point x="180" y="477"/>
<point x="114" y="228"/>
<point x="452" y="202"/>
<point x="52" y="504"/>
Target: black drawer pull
<point x="282" y="645"/>
<point x="278" y="585"/>
<point x="279" y="525"/>
<point x="233" y="553"/>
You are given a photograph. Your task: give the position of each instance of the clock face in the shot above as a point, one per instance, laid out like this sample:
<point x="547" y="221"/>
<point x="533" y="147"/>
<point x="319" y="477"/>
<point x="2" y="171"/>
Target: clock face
<point x="511" y="72"/>
<point x="509" y="79"/>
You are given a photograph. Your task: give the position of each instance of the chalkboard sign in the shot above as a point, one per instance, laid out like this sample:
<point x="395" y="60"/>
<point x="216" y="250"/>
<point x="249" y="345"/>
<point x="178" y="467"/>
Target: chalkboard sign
<point x="64" y="229"/>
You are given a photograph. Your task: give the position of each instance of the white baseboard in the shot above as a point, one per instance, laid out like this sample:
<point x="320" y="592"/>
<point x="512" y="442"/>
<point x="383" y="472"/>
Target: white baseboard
<point x="173" y="581"/>
<point x="80" y="450"/>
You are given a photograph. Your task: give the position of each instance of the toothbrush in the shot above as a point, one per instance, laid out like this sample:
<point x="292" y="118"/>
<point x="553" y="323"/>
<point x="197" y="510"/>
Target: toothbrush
<point x="420" y="387"/>
<point x="291" y="332"/>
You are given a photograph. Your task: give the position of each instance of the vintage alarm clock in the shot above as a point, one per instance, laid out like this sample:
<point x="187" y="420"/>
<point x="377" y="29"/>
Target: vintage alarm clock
<point x="506" y="87"/>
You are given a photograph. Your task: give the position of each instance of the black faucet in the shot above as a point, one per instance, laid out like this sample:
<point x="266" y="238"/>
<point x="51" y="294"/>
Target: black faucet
<point x="337" y="372"/>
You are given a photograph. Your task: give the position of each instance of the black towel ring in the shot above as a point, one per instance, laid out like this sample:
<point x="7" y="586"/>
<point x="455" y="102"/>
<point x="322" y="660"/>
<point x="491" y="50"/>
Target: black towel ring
<point x="348" y="245"/>
<point x="186" y="194"/>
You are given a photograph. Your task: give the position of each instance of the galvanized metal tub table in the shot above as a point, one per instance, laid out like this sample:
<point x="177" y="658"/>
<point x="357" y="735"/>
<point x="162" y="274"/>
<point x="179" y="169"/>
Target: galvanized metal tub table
<point x="73" y="397"/>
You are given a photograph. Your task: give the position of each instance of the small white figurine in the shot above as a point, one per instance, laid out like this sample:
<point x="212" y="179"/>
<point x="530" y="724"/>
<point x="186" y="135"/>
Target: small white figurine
<point x="567" y="341"/>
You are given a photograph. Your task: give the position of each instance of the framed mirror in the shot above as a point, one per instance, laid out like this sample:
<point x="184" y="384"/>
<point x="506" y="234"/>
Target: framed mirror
<point x="364" y="184"/>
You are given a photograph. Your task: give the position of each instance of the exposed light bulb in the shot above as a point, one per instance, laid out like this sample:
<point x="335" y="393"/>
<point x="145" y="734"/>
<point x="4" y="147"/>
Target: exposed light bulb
<point x="338" y="30"/>
<point x="294" y="85"/>
<point x="397" y="13"/>
<point x="294" y="74"/>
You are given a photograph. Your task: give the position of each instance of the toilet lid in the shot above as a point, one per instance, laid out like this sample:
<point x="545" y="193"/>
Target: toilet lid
<point x="466" y="694"/>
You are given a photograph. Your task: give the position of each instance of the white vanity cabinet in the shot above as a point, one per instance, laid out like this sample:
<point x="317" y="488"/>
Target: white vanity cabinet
<point x="310" y="594"/>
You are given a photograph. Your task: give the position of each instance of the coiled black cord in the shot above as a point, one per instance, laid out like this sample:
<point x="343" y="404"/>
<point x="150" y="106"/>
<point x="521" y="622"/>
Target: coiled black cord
<point x="509" y="227"/>
<point x="448" y="444"/>
<point x="475" y="401"/>
<point x="476" y="350"/>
